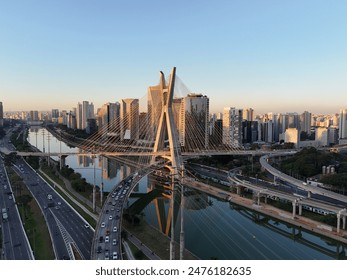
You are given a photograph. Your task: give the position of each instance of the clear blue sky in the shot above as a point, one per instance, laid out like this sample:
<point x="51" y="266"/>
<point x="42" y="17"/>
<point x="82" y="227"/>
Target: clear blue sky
<point x="279" y="56"/>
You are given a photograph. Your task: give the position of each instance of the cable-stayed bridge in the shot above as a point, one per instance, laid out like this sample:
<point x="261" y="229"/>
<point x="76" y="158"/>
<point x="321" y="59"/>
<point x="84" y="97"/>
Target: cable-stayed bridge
<point x="172" y="130"/>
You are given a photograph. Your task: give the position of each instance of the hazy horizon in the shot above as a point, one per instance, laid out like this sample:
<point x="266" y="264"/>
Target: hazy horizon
<point x="267" y="55"/>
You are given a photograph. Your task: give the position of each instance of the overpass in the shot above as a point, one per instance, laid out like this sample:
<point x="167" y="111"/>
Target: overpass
<point x="296" y="201"/>
<point x="264" y="161"/>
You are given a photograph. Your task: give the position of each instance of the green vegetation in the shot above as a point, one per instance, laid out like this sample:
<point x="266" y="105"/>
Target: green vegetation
<point x="78" y="183"/>
<point x="33" y="221"/>
<point x="309" y="162"/>
<point x="49" y="171"/>
<point x="249" y="165"/>
<point x="74" y="135"/>
<point x="19" y="140"/>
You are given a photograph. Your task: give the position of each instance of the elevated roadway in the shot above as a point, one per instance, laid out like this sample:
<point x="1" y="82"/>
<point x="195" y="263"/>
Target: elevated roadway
<point x="298" y="183"/>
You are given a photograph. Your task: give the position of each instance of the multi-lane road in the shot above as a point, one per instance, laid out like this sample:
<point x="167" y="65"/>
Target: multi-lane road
<point x="68" y="230"/>
<point x="15" y="244"/>
<point x="70" y="234"/>
<point x="108" y="234"/>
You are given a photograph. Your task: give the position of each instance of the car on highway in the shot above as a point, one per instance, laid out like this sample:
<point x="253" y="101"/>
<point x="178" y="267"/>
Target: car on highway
<point x="99" y="250"/>
<point x="86" y="226"/>
<point x="110" y="217"/>
<point x="103" y="224"/>
<point x="115" y="256"/>
<point x="107" y="257"/>
<point x="114" y="242"/>
<point x="107" y="239"/>
<point x="114" y="229"/>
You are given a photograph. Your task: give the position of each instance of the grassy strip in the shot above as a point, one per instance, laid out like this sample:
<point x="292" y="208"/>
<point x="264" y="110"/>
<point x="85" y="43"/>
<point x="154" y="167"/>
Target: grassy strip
<point x="88" y="218"/>
<point x="33" y="222"/>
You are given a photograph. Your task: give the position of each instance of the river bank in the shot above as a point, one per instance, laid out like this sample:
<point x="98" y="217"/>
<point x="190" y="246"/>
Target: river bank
<point x="276" y="213"/>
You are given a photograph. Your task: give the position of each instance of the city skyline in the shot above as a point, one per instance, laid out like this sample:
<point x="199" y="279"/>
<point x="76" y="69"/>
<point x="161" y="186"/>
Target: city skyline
<point x="273" y="57"/>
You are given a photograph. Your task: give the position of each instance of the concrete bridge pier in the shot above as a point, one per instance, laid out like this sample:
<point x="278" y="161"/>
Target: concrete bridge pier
<point x="62" y="159"/>
<point x="258" y="198"/>
<point x="300" y="209"/>
<point x="338" y="222"/>
<point x="338" y="227"/>
<point x="294" y="208"/>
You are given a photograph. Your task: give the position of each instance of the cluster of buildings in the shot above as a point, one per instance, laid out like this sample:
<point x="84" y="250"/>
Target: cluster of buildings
<point x="196" y="127"/>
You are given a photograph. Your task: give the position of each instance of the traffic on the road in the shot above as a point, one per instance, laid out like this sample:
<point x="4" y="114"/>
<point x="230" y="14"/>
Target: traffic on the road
<point x="71" y="236"/>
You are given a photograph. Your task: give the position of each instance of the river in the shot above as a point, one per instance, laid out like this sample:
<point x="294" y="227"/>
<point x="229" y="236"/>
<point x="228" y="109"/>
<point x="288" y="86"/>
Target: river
<point x="214" y="229"/>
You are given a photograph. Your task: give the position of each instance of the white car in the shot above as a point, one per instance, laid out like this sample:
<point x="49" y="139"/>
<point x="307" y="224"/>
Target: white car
<point x="115" y="256"/>
<point x="102" y="224"/>
<point x="115" y="229"/>
<point x="107" y="239"/>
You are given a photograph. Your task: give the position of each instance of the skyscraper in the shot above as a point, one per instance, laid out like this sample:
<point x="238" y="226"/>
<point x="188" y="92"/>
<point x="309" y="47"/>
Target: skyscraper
<point x="154" y="108"/>
<point x="129" y="119"/>
<point x="232" y="126"/>
<point x="343" y="124"/>
<point x="248" y="114"/>
<point x="305" y="122"/>
<point x="79" y="116"/>
<point x="108" y="118"/>
<point x="84" y="112"/>
<point x="194" y="120"/>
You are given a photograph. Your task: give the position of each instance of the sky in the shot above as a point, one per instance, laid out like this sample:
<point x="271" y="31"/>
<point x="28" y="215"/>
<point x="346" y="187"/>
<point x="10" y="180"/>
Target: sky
<point x="269" y="55"/>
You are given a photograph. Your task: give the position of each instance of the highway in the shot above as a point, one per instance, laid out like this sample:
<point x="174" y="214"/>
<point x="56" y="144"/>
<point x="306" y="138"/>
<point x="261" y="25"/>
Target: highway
<point x="111" y="218"/>
<point x="263" y="188"/>
<point x="299" y="184"/>
<point x="69" y="232"/>
<point x="15" y="244"/>
<point x="67" y="228"/>
<point x="107" y="238"/>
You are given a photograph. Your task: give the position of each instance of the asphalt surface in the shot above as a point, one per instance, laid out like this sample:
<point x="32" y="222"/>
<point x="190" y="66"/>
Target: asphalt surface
<point x="68" y="230"/>
<point x="15" y="243"/>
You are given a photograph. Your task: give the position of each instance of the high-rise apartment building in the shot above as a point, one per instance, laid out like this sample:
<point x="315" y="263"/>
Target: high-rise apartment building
<point x="291" y="135"/>
<point x="322" y="136"/>
<point x="194" y="120"/>
<point x="248" y="114"/>
<point x="305" y="122"/>
<point x="34" y="116"/>
<point x="72" y="123"/>
<point x="154" y="108"/>
<point x="250" y="131"/>
<point x="84" y="112"/>
<point x="343" y="124"/>
<point x="291" y="120"/>
<point x="108" y="118"/>
<point x="87" y="113"/>
<point x="267" y="131"/>
<point x="232" y="126"/>
<point x="129" y="119"/>
<point x="79" y="116"/>
<point x="55" y="114"/>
